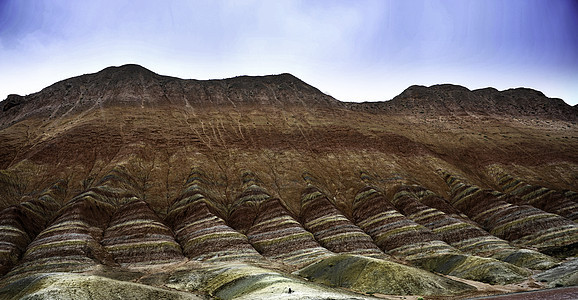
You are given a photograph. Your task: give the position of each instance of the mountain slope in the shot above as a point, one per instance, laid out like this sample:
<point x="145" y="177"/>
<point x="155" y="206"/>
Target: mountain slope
<point x="125" y="162"/>
<point x="133" y="85"/>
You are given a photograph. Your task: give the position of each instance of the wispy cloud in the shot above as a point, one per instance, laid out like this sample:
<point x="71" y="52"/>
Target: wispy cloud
<point x="354" y="50"/>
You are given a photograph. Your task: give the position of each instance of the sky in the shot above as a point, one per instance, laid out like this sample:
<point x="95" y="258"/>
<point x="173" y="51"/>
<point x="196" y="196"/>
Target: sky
<point x="353" y="50"/>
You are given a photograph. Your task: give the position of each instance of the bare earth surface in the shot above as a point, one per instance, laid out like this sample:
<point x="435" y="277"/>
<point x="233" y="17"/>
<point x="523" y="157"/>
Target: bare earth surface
<point x="568" y="293"/>
<point x="264" y="187"/>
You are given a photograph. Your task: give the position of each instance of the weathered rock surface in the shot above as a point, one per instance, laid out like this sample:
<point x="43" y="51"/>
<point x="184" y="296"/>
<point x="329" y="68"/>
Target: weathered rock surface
<point x="463" y="235"/>
<point x="566" y="274"/>
<point x="404" y="238"/>
<point x="448" y="99"/>
<point x="523" y="225"/>
<point x="201" y="233"/>
<point x="152" y="184"/>
<point x="370" y="276"/>
<point x="241" y="281"/>
<point x="332" y="229"/>
<point x="85" y="287"/>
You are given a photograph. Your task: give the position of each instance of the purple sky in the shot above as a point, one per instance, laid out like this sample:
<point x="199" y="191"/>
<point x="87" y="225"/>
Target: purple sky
<point x="353" y="50"/>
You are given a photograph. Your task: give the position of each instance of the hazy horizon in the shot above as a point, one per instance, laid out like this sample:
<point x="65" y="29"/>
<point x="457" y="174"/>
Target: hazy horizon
<point x="351" y="50"/>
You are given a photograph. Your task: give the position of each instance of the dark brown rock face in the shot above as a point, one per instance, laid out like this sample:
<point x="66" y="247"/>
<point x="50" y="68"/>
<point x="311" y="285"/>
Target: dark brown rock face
<point x="447" y="99"/>
<point x="135" y="86"/>
<point x="11" y="101"/>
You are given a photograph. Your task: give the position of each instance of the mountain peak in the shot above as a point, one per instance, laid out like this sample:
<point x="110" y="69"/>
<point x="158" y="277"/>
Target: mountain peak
<point x="124" y="72"/>
<point x="521" y="101"/>
<point x="11" y="101"/>
<point x="137" y="86"/>
<point x="275" y="78"/>
<point x="434" y="91"/>
<point x="450" y="99"/>
<point x="127" y="67"/>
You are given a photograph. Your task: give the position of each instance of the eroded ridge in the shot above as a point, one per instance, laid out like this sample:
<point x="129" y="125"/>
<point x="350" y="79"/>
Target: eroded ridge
<point x="404" y="238"/>
<point x="392" y="231"/>
<point x="245" y="209"/>
<point x="278" y="235"/>
<point x="523" y="225"/>
<point x="201" y="233"/>
<point x="71" y="243"/>
<point x="571" y="195"/>
<point x="463" y="235"/>
<point x="331" y="228"/>
<point x="433" y="200"/>
<point x="20" y="223"/>
<point x="136" y="237"/>
<point x="271" y="228"/>
<point x="540" y="197"/>
<point x="119" y="186"/>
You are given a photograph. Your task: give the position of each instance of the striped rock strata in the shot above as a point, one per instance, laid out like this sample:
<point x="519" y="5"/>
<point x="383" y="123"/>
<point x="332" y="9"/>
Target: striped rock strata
<point x="402" y="237"/>
<point x="245" y="209"/>
<point x="20" y="223"/>
<point x="137" y="237"/>
<point x="72" y="241"/>
<point x="278" y="235"/>
<point x="272" y="229"/>
<point x="540" y="197"/>
<point x="523" y="225"/>
<point x="463" y="235"/>
<point x="331" y="228"/>
<point x="201" y="233"/>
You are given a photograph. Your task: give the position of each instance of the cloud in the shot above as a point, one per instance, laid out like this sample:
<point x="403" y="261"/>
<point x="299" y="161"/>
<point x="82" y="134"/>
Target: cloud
<point x="369" y="48"/>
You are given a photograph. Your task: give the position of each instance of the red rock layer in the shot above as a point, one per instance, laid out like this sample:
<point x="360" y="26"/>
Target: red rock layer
<point x="331" y="228"/>
<point x="136" y="235"/>
<point x="277" y="235"/>
<point x="72" y="241"/>
<point x="202" y="234"/>
<point x="521" y="224"/>
<point x="540" y="197"/>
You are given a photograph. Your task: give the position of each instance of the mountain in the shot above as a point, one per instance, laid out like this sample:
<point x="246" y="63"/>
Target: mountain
<point x="262" y="186"/>
<point x="133" y="85"/>
<point x="447" y="99"/>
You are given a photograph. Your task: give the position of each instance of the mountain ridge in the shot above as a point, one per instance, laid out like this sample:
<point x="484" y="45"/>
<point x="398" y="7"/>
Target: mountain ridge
<point x="450" y="99"/>
<point x="241" y="187"/>
<point x="133" y="84"/>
